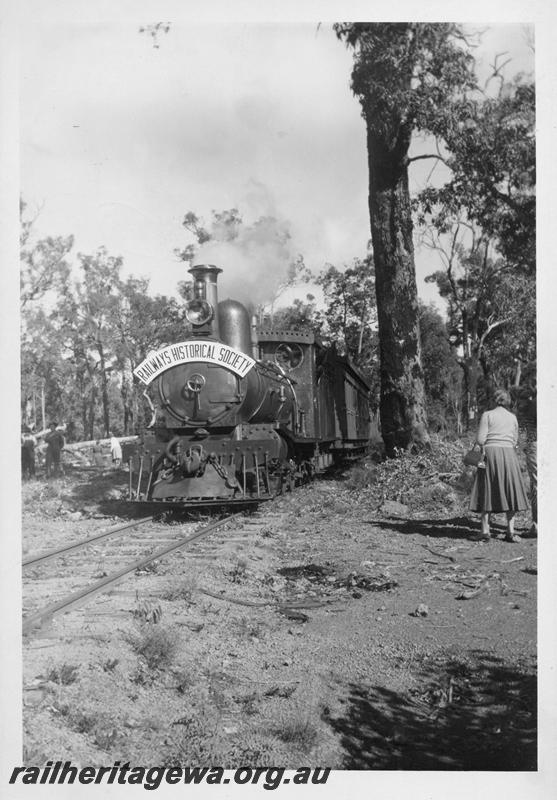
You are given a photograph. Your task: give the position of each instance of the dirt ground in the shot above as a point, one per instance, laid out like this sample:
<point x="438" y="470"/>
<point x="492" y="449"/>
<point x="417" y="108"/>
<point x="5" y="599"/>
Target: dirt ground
<point x="354" y="625"/>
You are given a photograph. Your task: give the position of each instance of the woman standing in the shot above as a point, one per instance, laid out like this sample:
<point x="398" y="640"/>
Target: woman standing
<point x="115" y="450"/>
<point x="499" y="487"/>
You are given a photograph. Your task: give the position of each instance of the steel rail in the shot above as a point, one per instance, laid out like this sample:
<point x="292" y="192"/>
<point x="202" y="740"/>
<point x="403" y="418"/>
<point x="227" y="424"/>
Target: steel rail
<point x="40" y="558"/>
<point x="77" y="598"/>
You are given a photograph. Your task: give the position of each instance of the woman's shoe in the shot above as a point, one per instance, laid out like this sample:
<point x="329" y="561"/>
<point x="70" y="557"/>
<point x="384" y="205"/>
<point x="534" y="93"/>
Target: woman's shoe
<point x="481" y="537"/>
<point x="510" y="537"/>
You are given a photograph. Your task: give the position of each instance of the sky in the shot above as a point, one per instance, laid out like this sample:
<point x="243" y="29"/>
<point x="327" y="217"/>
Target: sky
<point x="119" y="139"/>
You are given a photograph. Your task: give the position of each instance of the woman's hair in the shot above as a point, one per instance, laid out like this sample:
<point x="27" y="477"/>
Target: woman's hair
<point x="502" y="398"/>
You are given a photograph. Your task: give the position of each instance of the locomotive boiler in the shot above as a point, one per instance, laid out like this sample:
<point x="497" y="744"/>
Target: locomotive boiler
<point x="241" y="412"/>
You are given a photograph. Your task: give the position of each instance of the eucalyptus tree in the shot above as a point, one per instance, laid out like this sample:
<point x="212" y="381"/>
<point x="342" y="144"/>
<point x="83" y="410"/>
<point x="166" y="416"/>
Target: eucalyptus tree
<point x="404" y="75"/>
<point x="491" y="154"/>
<point x="142" y="323"/>
<point x="491" y="310"/>
<point x="442" y="373"/>
<point x="44" y="274"/>
<point x="482" y="221"/>
<point x="44" y="265"/>
<point x="350" y="314"/>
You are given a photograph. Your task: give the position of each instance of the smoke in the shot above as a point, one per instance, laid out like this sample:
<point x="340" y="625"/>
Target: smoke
<point x="256" y="259"/>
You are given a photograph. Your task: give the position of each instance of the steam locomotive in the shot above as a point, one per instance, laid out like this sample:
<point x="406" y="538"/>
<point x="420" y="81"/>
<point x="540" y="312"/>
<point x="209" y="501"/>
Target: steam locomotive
<point x="242" y="412"/>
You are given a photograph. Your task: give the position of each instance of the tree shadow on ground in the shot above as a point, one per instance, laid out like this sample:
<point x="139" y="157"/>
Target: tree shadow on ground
<point x="474" y="713"/>
<point x="452" y="528"/>
<point x="91" y="485"/>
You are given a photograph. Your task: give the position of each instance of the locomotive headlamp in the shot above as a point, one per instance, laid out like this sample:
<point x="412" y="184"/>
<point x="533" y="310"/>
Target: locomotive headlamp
<point x="199" y="312"/>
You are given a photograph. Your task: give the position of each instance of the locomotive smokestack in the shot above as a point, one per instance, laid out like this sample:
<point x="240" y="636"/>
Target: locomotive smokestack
<point x="205" y="300"/>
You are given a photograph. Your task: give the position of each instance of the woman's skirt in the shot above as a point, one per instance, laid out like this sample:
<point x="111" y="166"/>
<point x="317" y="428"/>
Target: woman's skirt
<point x="500" y="486"/>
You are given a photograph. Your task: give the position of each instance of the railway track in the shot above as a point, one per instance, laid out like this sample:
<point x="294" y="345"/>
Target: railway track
<point x="44" y="613"/>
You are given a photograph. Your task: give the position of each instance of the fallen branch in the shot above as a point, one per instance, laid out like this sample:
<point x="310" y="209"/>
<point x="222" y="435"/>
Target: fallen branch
<point x="479" y="590"/>
<point x="463" y="583"/>
<point x="437" y="553"/>
<point x="470" y="595"/>
<point x="269" y="603"/>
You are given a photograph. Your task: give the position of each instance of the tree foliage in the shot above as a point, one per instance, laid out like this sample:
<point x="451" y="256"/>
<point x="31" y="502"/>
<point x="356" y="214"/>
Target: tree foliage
<point x="349" y="318"/>
<point x="43" y="263"/>
<point x="405" y="74"/>
<point x="83" y="336"/>
<point x="299" y="315"/>
<point x="482" y="223"/>
<point x="492" y="158"/>
<point x="442" y="373"/>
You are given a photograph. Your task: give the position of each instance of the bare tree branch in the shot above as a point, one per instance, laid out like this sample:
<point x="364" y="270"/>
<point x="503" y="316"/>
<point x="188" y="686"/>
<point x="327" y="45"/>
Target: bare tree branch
<point x="428" y="155"/>
<point x="498" y="68"/>
<point x="491" y="327"/>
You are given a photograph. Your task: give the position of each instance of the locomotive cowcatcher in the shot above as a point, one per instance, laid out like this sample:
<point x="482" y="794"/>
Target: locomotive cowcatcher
<point x="242" y="412"/>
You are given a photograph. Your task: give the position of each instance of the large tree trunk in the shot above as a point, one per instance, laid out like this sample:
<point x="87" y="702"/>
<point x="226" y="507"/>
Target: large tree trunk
<point x="402" y="407"/>
<point x="126" y="391"/>
<point x="104" y="390"/>
<point x="92" y="407"/>
<point x="83" y="395"/>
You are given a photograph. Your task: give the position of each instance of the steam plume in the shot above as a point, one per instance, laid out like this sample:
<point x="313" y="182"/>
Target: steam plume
<point x="256" y="259"/>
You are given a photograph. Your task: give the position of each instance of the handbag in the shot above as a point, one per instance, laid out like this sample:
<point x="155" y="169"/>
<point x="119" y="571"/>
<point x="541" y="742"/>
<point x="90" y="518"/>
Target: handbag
<point x="474" y="458"/>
